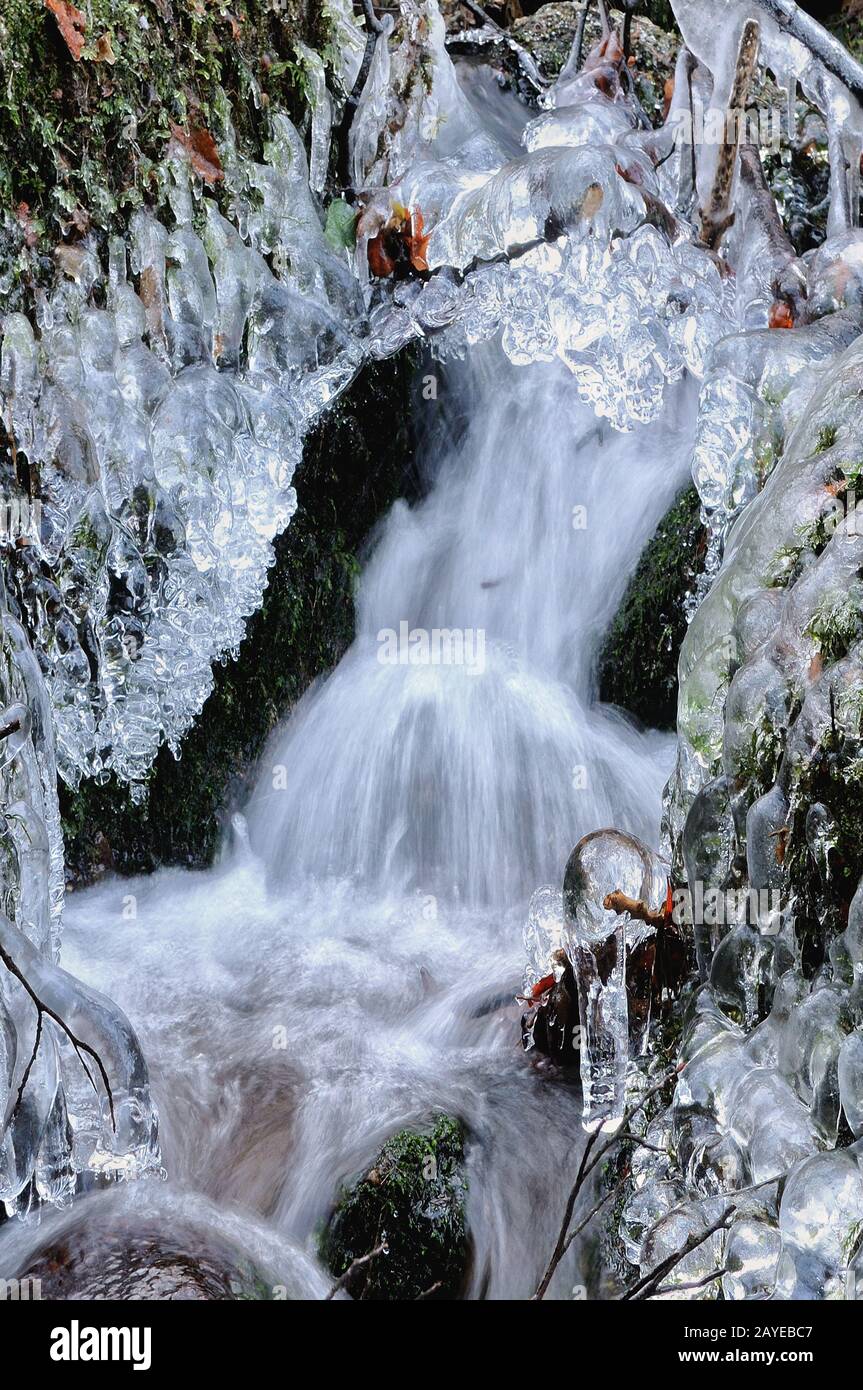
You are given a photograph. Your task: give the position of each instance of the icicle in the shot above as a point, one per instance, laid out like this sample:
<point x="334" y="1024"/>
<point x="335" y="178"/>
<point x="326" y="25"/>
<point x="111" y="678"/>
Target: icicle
<point x="322" y="116"/>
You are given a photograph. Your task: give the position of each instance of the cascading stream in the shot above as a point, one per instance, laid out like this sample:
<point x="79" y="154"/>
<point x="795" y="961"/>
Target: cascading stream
<point x="350" y="968"/>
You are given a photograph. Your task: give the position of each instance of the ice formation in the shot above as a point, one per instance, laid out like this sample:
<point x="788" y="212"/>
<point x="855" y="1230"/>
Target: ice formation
<point x="160" y="402"/>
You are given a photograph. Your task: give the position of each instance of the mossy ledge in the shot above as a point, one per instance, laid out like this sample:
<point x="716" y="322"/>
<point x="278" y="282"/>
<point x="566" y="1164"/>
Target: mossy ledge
<point x="356" y="462"/>
<point x="638" y="662"/>
<point x="413" y="1198"/>
<point x="81" y="138"/>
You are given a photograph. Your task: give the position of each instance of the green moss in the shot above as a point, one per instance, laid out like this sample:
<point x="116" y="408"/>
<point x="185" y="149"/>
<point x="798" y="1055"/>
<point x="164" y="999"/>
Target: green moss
<point x="80" y="140"/>
<point x="638" y="662"/>
<point x="830" y="776"/>
<point x="835" y="625"/>
<point x="413" y="1199"/>
<point x="826" y="438"/>
<point x="357" y="461"/>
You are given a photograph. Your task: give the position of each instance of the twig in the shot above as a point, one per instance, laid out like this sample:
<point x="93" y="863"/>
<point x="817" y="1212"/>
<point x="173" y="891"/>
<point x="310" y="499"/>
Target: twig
<point x="623" y="1135"/>
<point x="620" y="902"/>
<point x="586" y="1220"/>
<point x="829" y="51"/>
<point x="352" y="1268"/>
<point x="628" y="1116"/>
<point x="716" y="215"/>
<point x="693" y="1284"/>
<point x="629" y="8"/>
<point x="427" y="1293"/>
<point x="78" y="1043"/>
<point x="560" y="1245"/>
<point x="27" y="1070"/>
<point x="11" y="728"/>
<point x="644" y="1288"/>
<point x="585" y="1168"/>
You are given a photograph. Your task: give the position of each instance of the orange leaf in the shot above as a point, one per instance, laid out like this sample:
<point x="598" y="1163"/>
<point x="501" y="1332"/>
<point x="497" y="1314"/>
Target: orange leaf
<point x="201" y="149"/>
<point x="72" y="25"/>
<point x="381" y="263"/>
<point x="417" y="243"/>
<point x="780" y="315"/>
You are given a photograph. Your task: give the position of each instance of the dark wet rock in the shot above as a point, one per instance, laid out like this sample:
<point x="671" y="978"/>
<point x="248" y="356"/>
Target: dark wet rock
<point x="638" y="662"/>
<point x="413" y="1198"/>
<point x="131" y="1262"/>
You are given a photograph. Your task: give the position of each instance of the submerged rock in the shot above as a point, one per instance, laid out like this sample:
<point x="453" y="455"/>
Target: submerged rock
<point x="412" y="1200"/>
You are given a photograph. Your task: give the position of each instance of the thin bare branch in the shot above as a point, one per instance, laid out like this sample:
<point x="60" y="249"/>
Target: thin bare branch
<point x="79" y="1045"/>
<point x="585" y="1168"/>
<point x="352" y="1268"/>
<point x="647" y="1285"/>
<point x="693" y="1284"/>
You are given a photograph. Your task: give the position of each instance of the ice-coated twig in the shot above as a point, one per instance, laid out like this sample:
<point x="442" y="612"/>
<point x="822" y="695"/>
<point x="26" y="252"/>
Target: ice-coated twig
<point x="585" y="1168"/>
<point x="342" y="136"/>
<point x="573" y="62"/>
<point x="29" y="1067"/>
<point x="526" y="61"/>
<point x="648" y="1284"/>
<point x="693" y="1284"/>
<point x="79" y="1045"/>
<point x="352" y="1268"/>
<point x="717" y="213"/>
<point x="629" y="8"/>
<point x="371" y="18"/>
<point x="840" y="215"/>
<point x="828" y="50"/>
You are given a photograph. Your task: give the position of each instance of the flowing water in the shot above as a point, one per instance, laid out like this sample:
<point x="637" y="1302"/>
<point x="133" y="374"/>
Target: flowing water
<point x="350" y="966"/>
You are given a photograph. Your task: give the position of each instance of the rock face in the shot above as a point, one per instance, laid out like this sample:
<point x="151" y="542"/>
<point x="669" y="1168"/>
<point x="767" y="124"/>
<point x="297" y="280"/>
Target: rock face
<point x="638" y="662"/>
<point x="413" y="1200"/>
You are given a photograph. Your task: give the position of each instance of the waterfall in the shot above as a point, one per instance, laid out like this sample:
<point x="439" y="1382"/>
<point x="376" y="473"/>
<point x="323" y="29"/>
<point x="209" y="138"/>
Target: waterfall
<point x="350" y="966"/>
<point x="375" y="912"/>
<point x="473" y="779"/>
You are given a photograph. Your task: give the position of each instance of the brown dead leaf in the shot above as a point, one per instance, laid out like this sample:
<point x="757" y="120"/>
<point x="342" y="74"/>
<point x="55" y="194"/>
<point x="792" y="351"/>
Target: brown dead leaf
<point x="104" y="50"/>
<point x="417" y="241"/>
<point x="22" y="212"/>
<point x="201" y="149"/>
<point x="72" y="25"/>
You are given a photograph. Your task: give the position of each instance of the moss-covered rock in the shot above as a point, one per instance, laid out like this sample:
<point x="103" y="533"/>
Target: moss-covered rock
<point x="355" y="463"/>
<point x="83" y="133"/>
<point x="548" y="35"/>
<point x="638" y="661"/>
<point x="413" y="1200"/>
